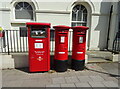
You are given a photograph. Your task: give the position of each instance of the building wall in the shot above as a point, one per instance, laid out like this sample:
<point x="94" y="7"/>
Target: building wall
<point x="113" y="24"/>
<point x="59" y="13"/>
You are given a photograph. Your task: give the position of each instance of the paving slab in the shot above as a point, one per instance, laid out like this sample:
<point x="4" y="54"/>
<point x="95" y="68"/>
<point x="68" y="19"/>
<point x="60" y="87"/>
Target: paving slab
<point x="96" y="78"/>
<point x="86" y="84"/>
<point x="58" y="80"/>
<point x="85" y="78"/>
<point x="72" y="79"/>
<point x="68" y="85"/>
<point x="16" y="83"/>
<point x="96" y="84"/>
<point x="110" y="84"/>
<point x="32" y="83"/>
<point x="53" y="85"/>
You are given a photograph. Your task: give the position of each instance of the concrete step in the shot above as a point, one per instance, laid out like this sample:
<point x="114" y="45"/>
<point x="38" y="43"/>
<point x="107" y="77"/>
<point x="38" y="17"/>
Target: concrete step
<point x="6" y="62"/>
<point x="101" y="56"/>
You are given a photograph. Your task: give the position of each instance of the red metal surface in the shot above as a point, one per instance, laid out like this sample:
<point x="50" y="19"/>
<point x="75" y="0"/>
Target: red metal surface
<point x="61" y="27"/>
<point x="1" y="34"/>
<point x="38" y="24"/>
<point x="61" y="42"/>
<point x="79" y="42"/>
<point x="39" y="59"/>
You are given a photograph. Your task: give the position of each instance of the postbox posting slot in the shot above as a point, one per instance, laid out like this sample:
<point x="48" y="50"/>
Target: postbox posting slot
<point x="80" y="39"/>
<point x="62" y="39"/>
<point x="81" y="32"/>
<point x="62" y="32"/>
<point x="38" y="33"/>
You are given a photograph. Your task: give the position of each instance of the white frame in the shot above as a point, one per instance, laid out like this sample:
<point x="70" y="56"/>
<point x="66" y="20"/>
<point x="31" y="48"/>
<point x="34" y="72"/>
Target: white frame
<point x="13" y="19"/>
<point x="25" y="19"/>
<point x="76" y="16"/>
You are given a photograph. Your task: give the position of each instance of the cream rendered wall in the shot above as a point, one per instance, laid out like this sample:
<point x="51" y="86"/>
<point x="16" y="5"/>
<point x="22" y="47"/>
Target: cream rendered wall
<point x="114" y="24"/>
<point x="54" y="19"/>
<point x="55" y="5"/>
<point x="99" y="26"/>
<point x="4" y="15"/>
<point x="55" y="13"/>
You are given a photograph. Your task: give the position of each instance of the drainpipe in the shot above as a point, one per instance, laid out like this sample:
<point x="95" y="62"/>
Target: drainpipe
<point x="108" y="33"/>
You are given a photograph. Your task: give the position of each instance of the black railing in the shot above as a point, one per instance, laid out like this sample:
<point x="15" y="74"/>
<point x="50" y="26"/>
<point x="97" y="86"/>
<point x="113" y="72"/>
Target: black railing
<point x="116" y="43"/>
<point x="13" y="42"/>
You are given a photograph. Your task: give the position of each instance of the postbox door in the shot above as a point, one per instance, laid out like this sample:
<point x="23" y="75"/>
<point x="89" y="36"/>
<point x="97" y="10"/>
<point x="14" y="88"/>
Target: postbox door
<point x="62" y="45"/>
<point x="79" y="43"/>
<point x="39" y="58"/>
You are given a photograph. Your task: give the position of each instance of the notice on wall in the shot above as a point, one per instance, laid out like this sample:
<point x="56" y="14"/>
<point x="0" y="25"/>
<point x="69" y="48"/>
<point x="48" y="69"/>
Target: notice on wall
<point x="39" y="45"/>
<point x="80" y="39"/>
<point x="62" y="40"/>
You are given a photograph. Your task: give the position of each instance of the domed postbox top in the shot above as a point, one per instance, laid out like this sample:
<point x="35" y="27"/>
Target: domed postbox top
<point x="61" y="27"/>
<point x="80" y="28"/>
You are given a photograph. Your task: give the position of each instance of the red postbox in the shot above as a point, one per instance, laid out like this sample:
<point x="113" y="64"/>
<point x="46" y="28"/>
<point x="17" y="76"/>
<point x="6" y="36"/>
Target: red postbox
<point x="61" y="48"/>
<point x="79" y="47"/>
<point x="39" y="46"/>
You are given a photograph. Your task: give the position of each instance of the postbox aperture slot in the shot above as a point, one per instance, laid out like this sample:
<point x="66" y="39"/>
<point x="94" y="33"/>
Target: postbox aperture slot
<point x="81" y="32"/>
<point x="38" y="33"/>
<point x="63" y="31"/>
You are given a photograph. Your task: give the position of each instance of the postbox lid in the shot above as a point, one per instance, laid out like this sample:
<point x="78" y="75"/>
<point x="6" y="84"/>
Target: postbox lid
<point x="80" y="27"/>
<point x="62" y="27"/>
<point x="38" y="24"/>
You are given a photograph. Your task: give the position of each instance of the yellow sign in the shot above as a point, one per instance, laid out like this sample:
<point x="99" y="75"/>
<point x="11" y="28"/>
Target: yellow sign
<point x="1" y="29"/>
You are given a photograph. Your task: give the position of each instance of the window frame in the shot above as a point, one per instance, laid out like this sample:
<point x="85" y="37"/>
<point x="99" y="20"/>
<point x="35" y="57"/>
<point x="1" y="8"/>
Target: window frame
<point x="30" y="3"/>
<point x="79" y="22"/>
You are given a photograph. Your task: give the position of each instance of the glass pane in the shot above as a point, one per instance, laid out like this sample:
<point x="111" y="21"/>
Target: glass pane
<point x="20" y="4"/>
<point x="23" y="14"/>
<point x="85" y="17"/>
<point x="29" y="8"/>
<point x="26" y="4"/>
<point x="83" y="24"/>
<point x="74" y="24"/>
<point x="82" y="7"/>
<point x="78" y="24"/>
<point x="38" y="33"/>
<point x="79" y="16"/>
<point x="17" y="7"/>
<point x="73" y="16"/>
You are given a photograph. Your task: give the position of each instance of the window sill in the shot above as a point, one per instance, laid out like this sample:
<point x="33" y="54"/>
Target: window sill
<point x="21" y="21"/>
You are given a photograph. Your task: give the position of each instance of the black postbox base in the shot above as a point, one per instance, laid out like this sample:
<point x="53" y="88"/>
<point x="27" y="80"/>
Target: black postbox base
<point x="78" y="64"/>
<point x="60" y="65"/>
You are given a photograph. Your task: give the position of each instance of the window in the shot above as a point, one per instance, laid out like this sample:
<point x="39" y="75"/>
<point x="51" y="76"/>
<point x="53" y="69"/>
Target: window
<point x="23" y="10"/>
<point x="79" y="16"/>
<point x="119" y="15"/>
<point x="23" y="31"/>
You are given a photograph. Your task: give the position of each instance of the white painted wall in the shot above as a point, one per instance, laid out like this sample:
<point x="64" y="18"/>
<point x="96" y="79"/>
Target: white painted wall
<point x="54" y="19"/>
<point x="59" y="13"/>
<point x="114" y="24"/>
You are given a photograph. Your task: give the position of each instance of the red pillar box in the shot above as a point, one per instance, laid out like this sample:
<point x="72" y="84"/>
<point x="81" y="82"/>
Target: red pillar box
<point x="39" y="46"/>
<point x="79" y="47"/>
<point x="61" y="48"/>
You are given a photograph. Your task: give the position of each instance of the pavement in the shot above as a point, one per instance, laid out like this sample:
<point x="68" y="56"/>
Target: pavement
<point x="105" y="75"/>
